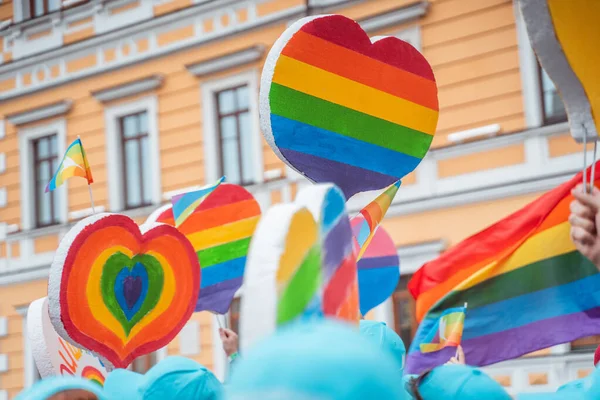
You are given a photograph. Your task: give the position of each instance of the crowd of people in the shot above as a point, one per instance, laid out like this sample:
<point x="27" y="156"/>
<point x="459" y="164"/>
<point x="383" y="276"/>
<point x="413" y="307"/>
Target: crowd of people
<point x="326" y="360"/>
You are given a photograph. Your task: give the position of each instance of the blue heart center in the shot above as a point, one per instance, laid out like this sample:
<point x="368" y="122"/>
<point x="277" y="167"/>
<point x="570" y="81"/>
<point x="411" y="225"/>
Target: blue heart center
<point x="130" y="288"/>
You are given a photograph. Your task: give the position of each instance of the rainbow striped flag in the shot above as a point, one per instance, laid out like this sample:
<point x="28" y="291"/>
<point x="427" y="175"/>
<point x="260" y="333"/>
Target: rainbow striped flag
<point x="526" y="285"/>
<point x="446" y="332"/>
<point x="74" y="163"/>
<point x="373" y="213"/>
<point x="185" y="204"/>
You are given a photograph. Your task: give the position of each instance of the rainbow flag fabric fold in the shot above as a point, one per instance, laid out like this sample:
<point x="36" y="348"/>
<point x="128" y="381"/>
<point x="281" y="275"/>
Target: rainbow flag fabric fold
<point x="373" y="214"/>
<point x="74" y="163"/>
<point x="447" y="332"/>
<point x="526" y="285"/>
<point x="185" y="204"/>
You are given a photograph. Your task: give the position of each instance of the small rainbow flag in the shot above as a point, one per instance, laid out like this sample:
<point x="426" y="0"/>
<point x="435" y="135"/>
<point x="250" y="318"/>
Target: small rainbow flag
<point x="74" y="163"/>
<point x="185" y="204"/>
<point x="373" y="213"/>
<point x="446" y="332"/>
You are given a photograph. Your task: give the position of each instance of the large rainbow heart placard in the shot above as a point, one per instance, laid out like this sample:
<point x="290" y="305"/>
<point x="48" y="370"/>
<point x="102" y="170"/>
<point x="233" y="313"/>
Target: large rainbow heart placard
<point x="378" y="269"/>
<point x="54" y="356"/>
<point x="339" y="108"/>
<point x="301" y="264"/>
<point x="220" y="229"/>
<point x="119" y="290"/>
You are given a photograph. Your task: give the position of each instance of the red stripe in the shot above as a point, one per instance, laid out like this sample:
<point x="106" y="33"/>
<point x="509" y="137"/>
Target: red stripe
<point x="225" y="193"/>
<point x="348" y="33"/>
<point x="336" y="291"/>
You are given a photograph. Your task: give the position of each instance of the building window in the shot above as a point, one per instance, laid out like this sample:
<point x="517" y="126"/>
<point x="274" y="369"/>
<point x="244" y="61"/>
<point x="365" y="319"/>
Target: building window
<point x="136" y="173"/>
<point x="28" y="9"/>
<point x="235" y="135"/>
<point x="143" y="363"/>
<point x="45" y="162"/>
<point x="586" y="344"/>
<point x="405" y="321"/>
<point x="553" y="107"/>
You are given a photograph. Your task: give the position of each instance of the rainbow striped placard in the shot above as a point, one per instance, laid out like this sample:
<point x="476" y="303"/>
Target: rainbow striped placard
<point x="220" y="229"/>
<point x="446" y="332"/>
<point x="339" y="108"/>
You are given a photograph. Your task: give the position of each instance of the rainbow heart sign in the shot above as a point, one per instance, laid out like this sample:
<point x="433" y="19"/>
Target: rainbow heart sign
<point x="338" y="107"/>
<point x="220" y="229"/>
<point x="120" y="290"/>
<point x="52" y="355"/>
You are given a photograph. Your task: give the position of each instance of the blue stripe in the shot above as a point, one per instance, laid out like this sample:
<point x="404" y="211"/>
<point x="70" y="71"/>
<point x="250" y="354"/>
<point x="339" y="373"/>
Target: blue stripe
<point x="222" y="272"/>
<point x="375" y="286"/>
<point x="333" y="208"/>
<point x="303" y="138"/>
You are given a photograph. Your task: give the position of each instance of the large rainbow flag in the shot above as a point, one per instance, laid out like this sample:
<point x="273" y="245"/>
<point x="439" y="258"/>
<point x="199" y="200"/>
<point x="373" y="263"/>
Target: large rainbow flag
<point x="526" y="286"/>
<point x="74" y="163"/>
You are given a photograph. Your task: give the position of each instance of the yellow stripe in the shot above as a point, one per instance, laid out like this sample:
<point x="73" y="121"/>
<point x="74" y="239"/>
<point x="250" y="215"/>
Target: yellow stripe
<point x="350" y="94"/>
<point x="94" y="294"/>
<point x="301" y="236"/>
<point x="223" y="234"/>
<point x="547" y="244"/>
<point x="166" y="297"/>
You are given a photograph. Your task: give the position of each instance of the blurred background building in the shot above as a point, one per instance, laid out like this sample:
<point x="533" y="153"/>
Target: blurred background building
<point x="164" y="94"/>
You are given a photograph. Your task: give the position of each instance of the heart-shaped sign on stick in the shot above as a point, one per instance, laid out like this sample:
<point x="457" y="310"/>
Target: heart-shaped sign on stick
<point x="54" y="356"/>
<point x="119" y="290"/>
<point x="220" y="229"/>
<point x="339" y="108"/>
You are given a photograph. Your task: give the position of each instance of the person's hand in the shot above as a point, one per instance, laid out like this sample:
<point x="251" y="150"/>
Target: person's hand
<point x="584" y="220"/>
<point x="230" y="341"/>
<point x="459" y="359"/>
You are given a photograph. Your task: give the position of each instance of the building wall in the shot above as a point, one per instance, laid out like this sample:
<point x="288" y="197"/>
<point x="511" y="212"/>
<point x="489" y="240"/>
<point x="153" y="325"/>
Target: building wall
<point x="479" y="57"/>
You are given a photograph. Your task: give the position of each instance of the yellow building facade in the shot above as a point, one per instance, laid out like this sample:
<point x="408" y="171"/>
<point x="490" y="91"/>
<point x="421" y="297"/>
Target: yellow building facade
<point x="164" y="95"/>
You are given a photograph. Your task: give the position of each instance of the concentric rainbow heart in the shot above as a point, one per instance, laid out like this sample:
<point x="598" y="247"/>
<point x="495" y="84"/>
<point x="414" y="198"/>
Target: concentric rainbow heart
<point x="338" y="108"/>
<point x="119" y="290"/>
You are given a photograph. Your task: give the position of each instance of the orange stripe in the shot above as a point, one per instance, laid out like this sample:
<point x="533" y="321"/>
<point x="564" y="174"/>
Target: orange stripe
<point x="217" y="216"/>
<point x="341" y="61"/>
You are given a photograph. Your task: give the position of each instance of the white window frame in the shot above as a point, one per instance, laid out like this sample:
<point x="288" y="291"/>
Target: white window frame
<point x="26" y="137"/>
<point x="210" y="129"/>
<point x="113" y="149"/>
<point x="412" y="35"/>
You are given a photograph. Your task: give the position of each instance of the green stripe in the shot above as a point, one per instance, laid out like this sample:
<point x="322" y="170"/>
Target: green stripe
<point x="453" y="318"/>
<point x="295" y="105"/>
<point x="301" y="288"/>
<point x="554" y="271"/>
<point x="224" y="252"/>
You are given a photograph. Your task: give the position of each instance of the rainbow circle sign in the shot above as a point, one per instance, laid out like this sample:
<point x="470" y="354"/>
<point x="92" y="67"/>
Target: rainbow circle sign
<point x="53" y="355"/>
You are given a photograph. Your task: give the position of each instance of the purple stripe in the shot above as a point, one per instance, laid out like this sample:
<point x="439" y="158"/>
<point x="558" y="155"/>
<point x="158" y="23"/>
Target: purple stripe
<point x="217" y="298"/>
<point x="352" y="180"/>
<point x="512" y="343"/>
<point x="378" y="262"/>
<point x="338" y="244"/>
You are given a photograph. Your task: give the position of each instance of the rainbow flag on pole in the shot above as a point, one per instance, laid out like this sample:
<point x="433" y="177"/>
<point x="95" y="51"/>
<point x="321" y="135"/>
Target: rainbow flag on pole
<point x="447" y="332"/>
<point x="185" y="204"/>
<point x="527" y="286"/>
<point x="373" y="213"/>
<point x="74" y="163"/>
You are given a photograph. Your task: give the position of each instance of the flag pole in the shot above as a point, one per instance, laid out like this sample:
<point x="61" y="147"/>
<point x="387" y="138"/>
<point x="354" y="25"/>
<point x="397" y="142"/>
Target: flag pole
<point x="86" y="171"/>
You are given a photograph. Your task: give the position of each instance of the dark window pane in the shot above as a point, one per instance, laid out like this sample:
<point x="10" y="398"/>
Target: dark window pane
<point x="404" y="311"/>
<point x="143" y="123"/>
<point x="231" y="160"/>
<point x="228" y="128"/>
<point x="554" y="109"/>
<point x="45" y="163"/>
<point x="246" y="142"/>
<point x="43" y="148"/>
<point x="132" y="174"/>
<point x="39" y="8"/>
<point x="53" y="5"/>
<point x="243" y="99"/>
<point x="226" y="100"/>
<point x="129" y="126"/>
